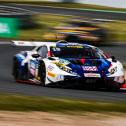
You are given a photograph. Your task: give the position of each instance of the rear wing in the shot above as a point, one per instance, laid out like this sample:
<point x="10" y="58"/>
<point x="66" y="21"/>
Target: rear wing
<point x="31" y="43"/>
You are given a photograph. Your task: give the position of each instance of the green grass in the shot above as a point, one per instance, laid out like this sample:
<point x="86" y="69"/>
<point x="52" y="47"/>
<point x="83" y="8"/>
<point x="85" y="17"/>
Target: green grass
<point x="69" y="5"/>
<point x="9" y="102"/>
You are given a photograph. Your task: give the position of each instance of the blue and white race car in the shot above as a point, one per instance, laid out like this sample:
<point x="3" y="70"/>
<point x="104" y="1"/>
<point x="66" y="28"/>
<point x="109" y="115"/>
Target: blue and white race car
<point x="52" y="63"/>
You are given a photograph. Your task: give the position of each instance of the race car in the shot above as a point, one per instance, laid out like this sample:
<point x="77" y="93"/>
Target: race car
<point x="57" y="63"/>
<point x="78" y="31"/>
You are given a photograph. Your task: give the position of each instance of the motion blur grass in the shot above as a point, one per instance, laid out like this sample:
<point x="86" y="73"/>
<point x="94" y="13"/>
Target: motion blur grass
<point x="124" y="65"/>
<point x="47" y="22"/>
<point x="68" y="5"/>
<point x="116" y="29"/>
<point x="9" y="102"/>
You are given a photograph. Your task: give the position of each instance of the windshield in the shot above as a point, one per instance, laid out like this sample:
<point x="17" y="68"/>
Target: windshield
<point x="77" y="52"/>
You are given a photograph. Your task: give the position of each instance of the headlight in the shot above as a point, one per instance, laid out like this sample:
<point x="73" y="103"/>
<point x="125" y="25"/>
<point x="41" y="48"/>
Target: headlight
<point x="113" y="70"/>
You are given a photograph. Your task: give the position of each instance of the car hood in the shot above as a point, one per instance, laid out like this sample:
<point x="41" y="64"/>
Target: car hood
<point x="81" y="66"/>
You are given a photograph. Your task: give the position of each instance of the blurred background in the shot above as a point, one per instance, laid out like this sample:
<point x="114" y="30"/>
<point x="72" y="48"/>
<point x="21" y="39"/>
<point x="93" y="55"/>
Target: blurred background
<point x="90" y="21"/>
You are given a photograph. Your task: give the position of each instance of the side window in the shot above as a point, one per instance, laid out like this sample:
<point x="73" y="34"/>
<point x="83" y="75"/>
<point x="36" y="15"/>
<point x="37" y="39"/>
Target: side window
<point x="45" y="52"/>
<point x="42" y="51"/>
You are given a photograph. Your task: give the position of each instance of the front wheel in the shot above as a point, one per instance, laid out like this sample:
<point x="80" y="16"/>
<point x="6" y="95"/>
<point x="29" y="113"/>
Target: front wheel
<point x="113" y="86"/>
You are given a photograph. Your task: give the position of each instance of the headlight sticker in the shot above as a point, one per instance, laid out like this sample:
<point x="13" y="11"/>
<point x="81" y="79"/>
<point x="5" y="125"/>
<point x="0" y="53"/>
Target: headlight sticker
<point x="67" y="70"/>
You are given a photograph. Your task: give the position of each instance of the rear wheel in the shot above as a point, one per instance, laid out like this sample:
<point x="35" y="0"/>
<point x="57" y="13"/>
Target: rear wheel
<point x="18" y="75"/>
<point x="42" y="73"/>
<point x="16" y="70"/>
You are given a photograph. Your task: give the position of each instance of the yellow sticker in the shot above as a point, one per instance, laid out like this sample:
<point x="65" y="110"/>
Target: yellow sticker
<point x="51" y="74"/>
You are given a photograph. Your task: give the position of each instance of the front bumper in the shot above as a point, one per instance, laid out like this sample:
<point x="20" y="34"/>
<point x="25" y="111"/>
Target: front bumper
<point x="123" y="85"/>
<point x="100" y="82"/>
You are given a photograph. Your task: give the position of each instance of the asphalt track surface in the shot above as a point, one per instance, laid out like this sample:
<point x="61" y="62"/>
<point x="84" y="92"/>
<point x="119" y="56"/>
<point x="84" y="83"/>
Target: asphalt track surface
<point x="77" y="12"/>
<point x="8" y="85"/>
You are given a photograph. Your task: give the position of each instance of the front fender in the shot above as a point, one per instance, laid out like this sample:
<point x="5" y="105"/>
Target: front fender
<point x="116" y="70"/>
<point x="55" y="73"/>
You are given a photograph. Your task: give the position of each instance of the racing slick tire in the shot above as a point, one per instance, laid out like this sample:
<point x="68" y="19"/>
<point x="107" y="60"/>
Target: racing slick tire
<point x="42" y="73"/>
<point x="16" y="70"/>
<point x="113" y="86"/>
<point x="18" y="75"/>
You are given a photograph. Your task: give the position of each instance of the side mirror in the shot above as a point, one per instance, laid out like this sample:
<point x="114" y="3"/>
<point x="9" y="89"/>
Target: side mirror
<point x="113" y="59"/>
<point x="35" y="55"/>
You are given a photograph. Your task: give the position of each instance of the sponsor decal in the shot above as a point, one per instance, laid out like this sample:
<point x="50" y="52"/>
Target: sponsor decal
<point x="77" y="46"/>
<point x="51" y="74"/>
<point x="66" y="62"/>
<point x="92" y="75"/>
<point x="113" y="70"/>
<point x="90" y="68"/>
<point x="60" y="77"/>
<point x="8" y="27"/>
<point x="59" y="64"/>
<point x="50" y="68"/>
<point x="68" y="70"/>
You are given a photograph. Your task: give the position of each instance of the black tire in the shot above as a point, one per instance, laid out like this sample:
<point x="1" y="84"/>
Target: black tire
<point x="16" y="71"/>
<point x="113" y="86"/>
<point x="42" y="73"/>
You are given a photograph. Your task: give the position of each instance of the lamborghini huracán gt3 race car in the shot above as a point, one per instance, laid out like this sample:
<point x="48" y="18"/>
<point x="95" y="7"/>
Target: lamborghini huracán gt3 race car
<point x="61" y="62"/>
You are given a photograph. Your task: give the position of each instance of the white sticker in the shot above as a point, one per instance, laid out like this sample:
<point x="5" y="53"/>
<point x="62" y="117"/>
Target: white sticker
<point x="90" y="68"/>
<point x="92" y="75"/>
<point x="50" y="68"/>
